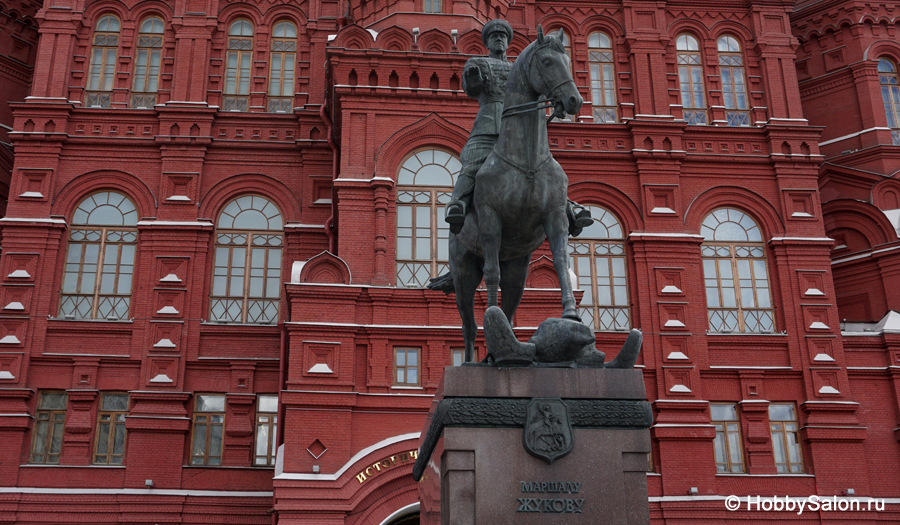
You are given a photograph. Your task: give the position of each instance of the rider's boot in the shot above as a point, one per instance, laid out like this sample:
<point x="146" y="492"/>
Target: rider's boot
<point x="456" y="215"/>
<point x="579" y="218"/>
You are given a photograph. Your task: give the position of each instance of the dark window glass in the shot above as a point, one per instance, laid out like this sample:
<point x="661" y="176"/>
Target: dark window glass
<point x="209" y="420"/>
<point x="50" y="420"/>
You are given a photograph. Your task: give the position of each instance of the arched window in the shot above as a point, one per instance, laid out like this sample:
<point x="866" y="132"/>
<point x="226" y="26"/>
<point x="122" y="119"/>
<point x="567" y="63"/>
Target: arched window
<point x="238" y="60"/>
<point x="603" y="77"/>
<point x="281" y="70"/>
<point x="690" y="79"/>
<point x="735" y="274"/>
<point x="890" y="95"/>
<point x="100" y="258"/>
<point x="146" y="65"/>
<point x="103" y="62"/>
<point x="598" y="259"/>
<point x="424" y="186"/>
<point x="734" y="87"/>
<point x="246" y="283"/>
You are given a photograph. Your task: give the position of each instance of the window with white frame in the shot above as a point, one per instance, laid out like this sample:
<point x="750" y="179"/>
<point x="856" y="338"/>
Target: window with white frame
<point x="266" y="430"/>
<point x="728" y="444"/>
<point x="49" y="424"/>
<point x="246" y="284"/>
<point x="281" y="67"/>
<point x="603" y="77"/>
<point x="890" y="95"/>
<point x="100" y="258"/>
<point x="690" y="79"/>
<point x="101" y="72"/>
<point x="424" y="186"/>
<point x="109" y="448"/>
<point x="598" y="258"/>
<point x="238" y="61"/>
<point x="785" y="438"/>
<point x="208" y="429"/>
<point x="146" y="64"/>
<point x="735" y="273"/>
<point x="734" y="85"/>
<point x="407" y="367"/>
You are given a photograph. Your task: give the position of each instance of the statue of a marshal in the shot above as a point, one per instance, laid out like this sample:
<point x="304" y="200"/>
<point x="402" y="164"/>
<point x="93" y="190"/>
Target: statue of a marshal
<point x="485" y="78"/>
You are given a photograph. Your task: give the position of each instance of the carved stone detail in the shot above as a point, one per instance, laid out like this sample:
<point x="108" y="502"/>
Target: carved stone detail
<point x="510" y="412"/>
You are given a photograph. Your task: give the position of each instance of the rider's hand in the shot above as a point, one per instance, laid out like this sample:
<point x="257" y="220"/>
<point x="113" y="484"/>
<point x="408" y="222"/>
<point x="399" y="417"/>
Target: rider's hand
<point x="473" y="78"/>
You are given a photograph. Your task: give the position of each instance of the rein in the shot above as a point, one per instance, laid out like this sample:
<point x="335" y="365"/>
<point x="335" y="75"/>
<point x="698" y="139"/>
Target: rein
<point x="528" y="106"/>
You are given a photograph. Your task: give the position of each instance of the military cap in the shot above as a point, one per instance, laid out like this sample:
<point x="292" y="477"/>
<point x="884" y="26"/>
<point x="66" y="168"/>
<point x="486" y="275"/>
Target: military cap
<point x="496" y="25"/>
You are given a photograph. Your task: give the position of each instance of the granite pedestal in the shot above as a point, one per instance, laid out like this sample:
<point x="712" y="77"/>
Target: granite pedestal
<point x="480" y="472"/>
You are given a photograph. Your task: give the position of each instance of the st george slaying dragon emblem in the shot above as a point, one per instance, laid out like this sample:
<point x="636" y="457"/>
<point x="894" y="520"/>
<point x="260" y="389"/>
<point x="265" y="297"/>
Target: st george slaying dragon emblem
<point x="548" y="430"/>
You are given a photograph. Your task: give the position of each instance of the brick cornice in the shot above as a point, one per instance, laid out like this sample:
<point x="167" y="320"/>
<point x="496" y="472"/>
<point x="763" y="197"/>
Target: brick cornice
<point x="15" y="69"/>
<point x="826" y="86"/>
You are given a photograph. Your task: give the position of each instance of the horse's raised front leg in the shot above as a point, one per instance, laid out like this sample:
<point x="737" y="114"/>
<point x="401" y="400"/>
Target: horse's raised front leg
<point x="490" y="229"/>
<point x="512" y="282"/>
<point x="556" y="225"/>
<point x="465" y="268"/>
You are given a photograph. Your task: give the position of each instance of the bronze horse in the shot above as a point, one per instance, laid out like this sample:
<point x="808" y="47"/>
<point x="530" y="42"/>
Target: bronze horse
<point x="520" y="192"/>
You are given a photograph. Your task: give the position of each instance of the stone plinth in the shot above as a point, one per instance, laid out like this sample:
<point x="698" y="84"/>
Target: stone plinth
<point x="480" y="471"/>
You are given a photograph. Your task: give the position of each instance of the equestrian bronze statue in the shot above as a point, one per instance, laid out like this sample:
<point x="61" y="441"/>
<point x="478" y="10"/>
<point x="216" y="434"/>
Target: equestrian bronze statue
<point x="520" y="192"/>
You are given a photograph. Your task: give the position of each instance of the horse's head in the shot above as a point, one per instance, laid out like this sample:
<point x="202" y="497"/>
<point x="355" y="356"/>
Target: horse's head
<point x="549" y="73"/>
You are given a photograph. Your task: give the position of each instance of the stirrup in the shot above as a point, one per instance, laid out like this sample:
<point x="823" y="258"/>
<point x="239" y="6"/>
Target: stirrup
<point x="459" y="217"/>
<point x="581" y="216"/>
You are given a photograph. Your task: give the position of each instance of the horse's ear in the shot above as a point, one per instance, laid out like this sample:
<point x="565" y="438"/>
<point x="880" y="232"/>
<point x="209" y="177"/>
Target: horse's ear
<point x="540" y="39"/>
<point x="560" y="34"/>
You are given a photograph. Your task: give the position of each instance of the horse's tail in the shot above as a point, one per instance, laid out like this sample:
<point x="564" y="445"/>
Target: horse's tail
<point x="442" y="283"/>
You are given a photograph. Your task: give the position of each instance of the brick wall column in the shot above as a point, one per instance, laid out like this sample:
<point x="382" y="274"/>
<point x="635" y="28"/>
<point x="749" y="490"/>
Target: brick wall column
<point x="239" y="427"/>
<point x="56" y="48"/>
<point x="39" y="136"/>
<point x="185" y="133"/>
<point x="759" y="458"/>
<point x="383" y="275"/>
<point x="80" y="422"/>
<point x="157" y="428"/>
<point x="14" y="431"/>
<point x="777" y="52"/>
<point x="893" y="341"/>
<point x="646" y="38"/>
<point x="889" y="269"/>
<point x="669" y="268"/>
<point x="834" y="435"/>
<point x="192" y="45"/>
<point x="360" y="235"/>
<point x="871" y="107"/>
<point x="685" y="435"/>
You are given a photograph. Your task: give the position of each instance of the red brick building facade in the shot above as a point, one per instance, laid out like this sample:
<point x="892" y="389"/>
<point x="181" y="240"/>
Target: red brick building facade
<point x="222" y="215"/>
<point x="18" y="49"/>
